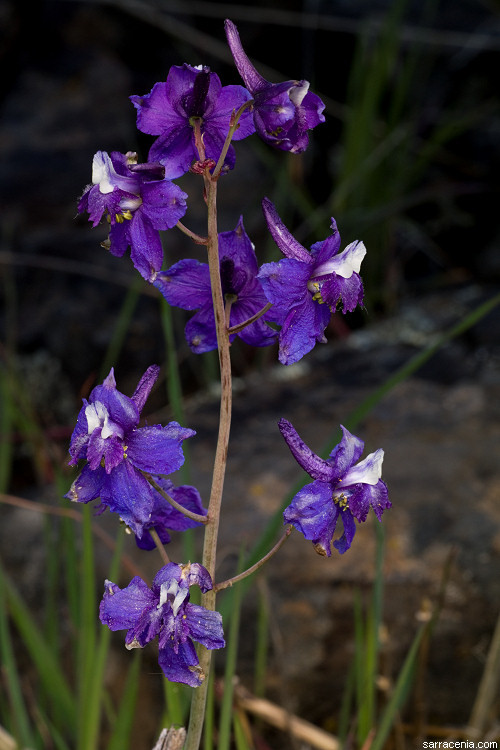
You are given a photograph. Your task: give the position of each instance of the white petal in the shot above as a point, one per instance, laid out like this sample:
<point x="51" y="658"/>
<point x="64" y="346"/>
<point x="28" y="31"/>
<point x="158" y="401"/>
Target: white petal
<point x="367" y="471"/>
<point x="344" y="264"/>
<point x="103" y="172"/>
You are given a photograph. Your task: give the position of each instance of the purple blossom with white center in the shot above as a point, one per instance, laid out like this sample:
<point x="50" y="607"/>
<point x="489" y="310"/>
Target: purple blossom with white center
<point x="118" y="451"/>
<point x="164" y="610"/>
<point x="165" y="518"/>
<point x="342" y="489"/>
<point x="282" y="112"/>
<point x="138" y="202"/>
<point x="171" y="108"/>
<point x="187" y="285"/>
<point x="305" y="288"/>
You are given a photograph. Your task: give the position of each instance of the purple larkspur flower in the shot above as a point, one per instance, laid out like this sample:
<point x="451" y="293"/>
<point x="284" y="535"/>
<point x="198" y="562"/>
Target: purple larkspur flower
<point x="170" y="109"/>
<point x="305" y="288"/>
<point x="187" y="285"/>
<point x="164" y="610"/>
<point x="282" y="112"/>
<point x="138" y="202"/>
<point x="165" y="518"/>
<point x="118" y="451"/>
<point x="342" y="489"/>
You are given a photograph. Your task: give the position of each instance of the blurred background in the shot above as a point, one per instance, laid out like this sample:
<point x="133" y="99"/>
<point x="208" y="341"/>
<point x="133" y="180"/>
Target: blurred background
<point x="408" y="161"/>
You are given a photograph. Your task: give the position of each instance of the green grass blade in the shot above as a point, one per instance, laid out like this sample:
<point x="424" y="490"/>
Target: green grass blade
<point x="177" y="700"/>
<point x="120" y="739"/>
<point x="87" y="637"/>
<point x="400" y="693"/>
<point x="46" y="664"/>
<point x="262" y="642"/>
<point x="239" y="735"/>
<point x="122" y="326"/>
<point x="209" y="724"/>
<point x="95" y="649"/>
<point x="20" y="724"/>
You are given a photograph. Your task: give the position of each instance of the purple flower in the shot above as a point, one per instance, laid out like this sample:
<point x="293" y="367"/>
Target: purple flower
<point x="165" y="518"/>
<point x="187" y="285"/>
<point x="306" y="287"/>
<point x="283" y="112"/>
<point x="165" y="611"/>
<point x="118" y="451"/>
<point x="138" y="201"/>
<point x="342" y="488"/>
<point x="172" y="107"/>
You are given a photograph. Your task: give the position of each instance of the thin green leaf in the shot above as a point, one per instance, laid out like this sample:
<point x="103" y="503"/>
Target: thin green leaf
<point x="122" y="731"/>
<point x="20" y="723"/>
<point x="46" y="664"/>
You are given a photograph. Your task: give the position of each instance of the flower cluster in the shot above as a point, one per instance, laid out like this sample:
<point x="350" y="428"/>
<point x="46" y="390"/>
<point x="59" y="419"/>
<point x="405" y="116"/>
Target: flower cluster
<point x="164" y="611"/>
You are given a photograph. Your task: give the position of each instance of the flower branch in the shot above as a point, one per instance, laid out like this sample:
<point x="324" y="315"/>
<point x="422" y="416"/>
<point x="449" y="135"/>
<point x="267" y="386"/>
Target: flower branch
<point x="185" y="512"/>
<point x="252" y="319"/>
<point x="230" y="581"/>
<point x="159" y="546"/>
<point x="233" y="126"/>
<point x="195" y="237"/>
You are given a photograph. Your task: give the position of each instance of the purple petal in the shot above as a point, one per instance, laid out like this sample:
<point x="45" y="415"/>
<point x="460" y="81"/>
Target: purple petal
<point x="326" y="249"/>
<point x="122" y="410"/>
<point x="126" y="492"/>
<point x="237" y="246"/>
<point x="285" y="285"/>
<point x="110" y="449"/>
<point x="146" y="251"/>
<point x="158" y="450"/>
<point x="365" y="495"/>
<point x="205" y="626"/>
<point x="121" y="609"/>
<point x="155" y="114"/>
<point x="313" y="513"/>
<point x="144" y="386"/>
<point x="231" y="98"/>
<point x="200" y="331"/>
<point x="186" y="284"/>
<point x="164" y="203"/>
<point x="80" y="437"/>
<point x="337" y="290"/>
<point x="283" y="238"/>
<point x="119" y="238"/>
<point x="303" y="327"/>
<point x="176" y="150"/>
<point x="87" y="486"/>
<point x="315" y="466"/>
<point x="345" y="541"/>
<point x="181" y="666"/>
<point x="346" y="453"/>
<point x="252" y="79"/>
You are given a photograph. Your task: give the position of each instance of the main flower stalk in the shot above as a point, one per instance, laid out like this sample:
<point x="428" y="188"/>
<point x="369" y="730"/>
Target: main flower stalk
<point x="212" y="527"/>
